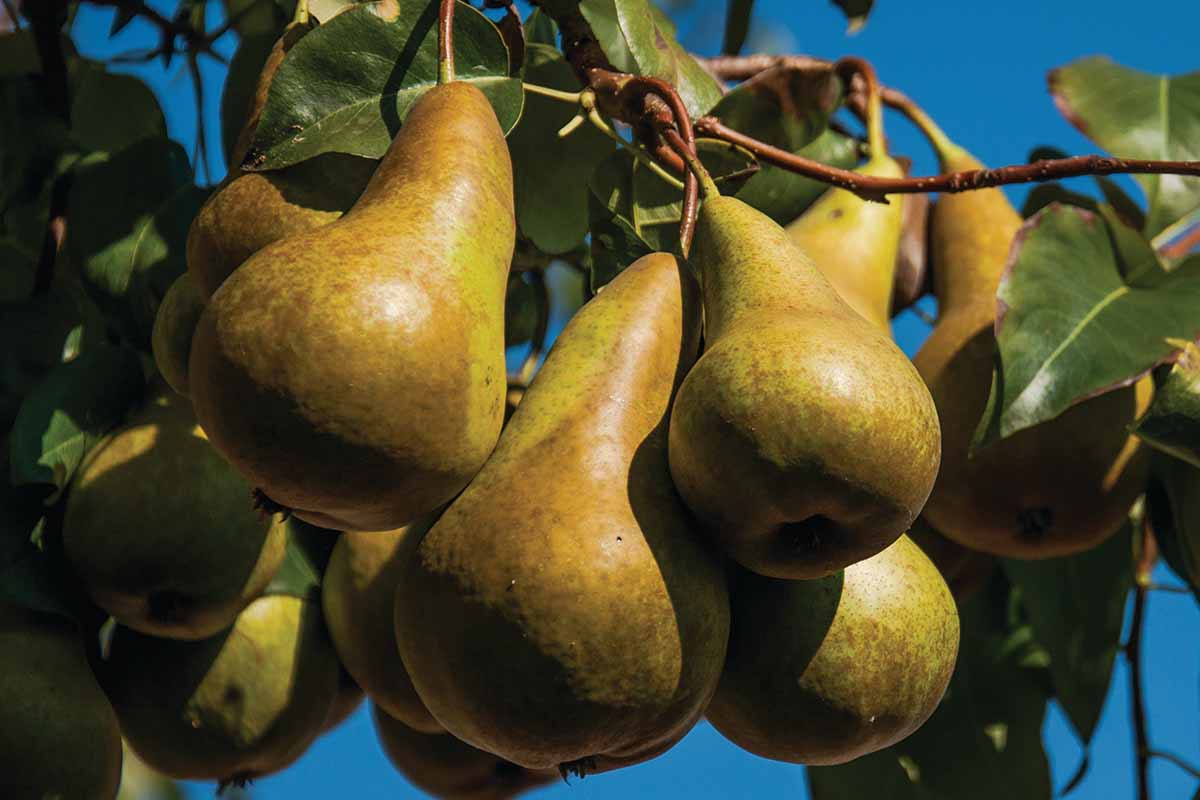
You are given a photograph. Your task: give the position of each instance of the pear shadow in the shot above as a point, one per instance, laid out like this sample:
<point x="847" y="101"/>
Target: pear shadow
<point x="329" y="182"/>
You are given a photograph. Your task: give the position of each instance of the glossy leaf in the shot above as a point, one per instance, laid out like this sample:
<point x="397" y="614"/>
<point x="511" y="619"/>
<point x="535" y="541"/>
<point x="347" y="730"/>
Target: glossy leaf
<point x="737" y="26"/>
<point x="783" y="195"/>
<point x="635" y="39"/>
<point x="786" y="107"/>
<point x="551" y="172"/>
<point x="1076" y="605"/>
<point x="69" y="411"/>
<point x="1172" y="423"/>
<point x="1173" y="507"/>
<point x="856" y="11"/>
<point x="1137" y="114"/>
<point x="1085" y="306"/>
<point x="347" y="86"/>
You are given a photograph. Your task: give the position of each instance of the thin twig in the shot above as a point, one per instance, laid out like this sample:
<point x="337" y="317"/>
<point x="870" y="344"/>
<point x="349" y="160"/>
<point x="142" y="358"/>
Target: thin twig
<point x="1133" y="655"/>
<point x="555" y="94"/>
<point x="1168" y="588"/>
<point x="446" y="41"/>
<point x="1176" y="760"/>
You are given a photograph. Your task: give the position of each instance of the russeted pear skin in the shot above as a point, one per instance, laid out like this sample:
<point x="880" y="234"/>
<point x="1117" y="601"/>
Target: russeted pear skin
<point x="174" y="325"/>
<point x="803" y="438"/>
<point x="359" y="597"/>
<point x="825" y="671"/>
<point x="58" y="732"/>
<point x="450" y="769"/>
<point x="1057" y="488"/>
<point x="242" y="704"/>
<point x="250" y="210"/>
<point x="163" y="533"/>
<point x="355" y="373"/>
<point x="855" y="242"/>
<point x="564" y="611"/>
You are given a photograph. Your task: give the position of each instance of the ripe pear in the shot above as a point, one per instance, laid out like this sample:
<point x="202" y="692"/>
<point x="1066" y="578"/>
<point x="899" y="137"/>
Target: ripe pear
<point x="355" y="373"/>
<point x="244" y="703"/>
<point x="250" y="210"/>
<point x="163" y="533"/>
<point x="564" y="611"/>
<point x="855" y="242"/>
<point x="349" y="697"/>
<point x="174" y="325"/>
<point x="359" y="597"/>
<point x="58" y="733"/>
<point x="448" y="768"/>
<point x="1054" y="489"/>
<point x="803" y="437"/>
<point x="825" y="671"/>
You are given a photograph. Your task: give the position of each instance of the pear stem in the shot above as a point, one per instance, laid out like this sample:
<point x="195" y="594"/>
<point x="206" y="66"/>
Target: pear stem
<point x="301" y="15"/>
<point x="555" y="94"/>
<point x="446" y="41"/>
<point x="638" y="153"/>
<point x="708" y="187"/>
<point x="916" y="115"/>
<point x="874" y="111"/>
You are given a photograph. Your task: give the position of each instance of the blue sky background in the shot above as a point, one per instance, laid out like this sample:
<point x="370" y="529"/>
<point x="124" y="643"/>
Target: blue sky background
<point x="980" y="70"/>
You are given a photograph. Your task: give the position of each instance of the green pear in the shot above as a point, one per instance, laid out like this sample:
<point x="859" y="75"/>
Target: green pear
<point x="803" y="438"/>
<point x="1054" y="489"/>
<point x="355" y="373"/>
<point x="58" y="733"/>
<point x="239" y="705"/>
<point x="250" y="210"/>
<point x="359" y="598"/>
<point x="855" y="242"/>
<point x="564" y="612"/>
<point x="825" y="671"/>
<point x="163" y="533"/>
<point x="451" y="769"/>
<point x="174" y="326"/>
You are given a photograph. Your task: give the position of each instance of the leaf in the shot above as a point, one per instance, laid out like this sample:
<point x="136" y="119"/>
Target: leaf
<point x="347" y="86"/>
<point x="304" y="561"/>
<point x="1045" y="194"/>
<point x="856" y="12"/>
<point x="737" y="26"/>
<point x="1172" y="423"/>
<point x="69" y="411"/>
<point x="634" y="37"/>
<point x="1137" y="114"/>
<point x="541" y="29"/>
<point x="130" y="252"/>
<point x="783" y="195"/>
<point x="259" y="17"/>
<point x="95" y="94"/>
<point x="551" y="172"/>
<point x="786" y="107"/>
<point x="18" y="268"/>
<point x="1173" y="507"/>
<point x="615" y="242"/>
<point x="658" y="204"/>
<point x="1076" y="606"/>
<point x="1085" y="306"/>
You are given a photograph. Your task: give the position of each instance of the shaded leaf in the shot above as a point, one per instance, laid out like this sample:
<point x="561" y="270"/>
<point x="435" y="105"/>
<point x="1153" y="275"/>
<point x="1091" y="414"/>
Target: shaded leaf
<point x="658" y="204"/>
<point x="347" y="86"/>
<point x="1085" y="306"/>
<point x="308" y="550"/>
<point x="1137" y="114"/>
<point x="615" y="241"/>
<point x="551" y="172"/>
<point x="96" y="93"/>
<point x="1172" y="423"/>
<point x="783" y="195"/>
<point x="521" y="310"/>
<point x="541" y="29"/>
<point x="1045" y="194"/>
<point x="35" y="581"/>
<point x="1173" y="507"/>
<point x="69" y="411"/>
<point x="786" y="107"/>
<point x="737" y="26"/>
<point x="18" y="267"/>
<point x="1076" y="605"/>
<point x="635" y="37"/>
<point x="259" y="17"/>
<point x="856" y="11"/>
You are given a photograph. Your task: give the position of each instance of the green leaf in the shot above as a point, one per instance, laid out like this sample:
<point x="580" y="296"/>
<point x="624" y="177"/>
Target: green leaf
<point x="856" y="11"/>
<point x="1137" y="114"/>
<point x="541" y="29"/>
<point x="308" y="551"/>
<point x="1086" y="306"/>
<point x="783" y="195"/>
<point x="1173" y="507"/>
<point x="32" y="144"/>
<point x="70" y="411"/>
<point x="18" y="268"/>
<point x="1045" y="194"/>
<point x="347" y="86"/>
<point x="259" y="17"/>
<point x="551" y="172"/>
<point x="1172" y="423"/>
<point x="616" y="242"/>
<point x="658" y="204"/>
<point x="879" y="774"/>
<point x="635" y="39"/>
<point x="1076" y="606"/>
<point x="786" y="107"/>
<point x="96" y="93"/>
<point x="132" y="251"/>
<point x="737" y="26"/>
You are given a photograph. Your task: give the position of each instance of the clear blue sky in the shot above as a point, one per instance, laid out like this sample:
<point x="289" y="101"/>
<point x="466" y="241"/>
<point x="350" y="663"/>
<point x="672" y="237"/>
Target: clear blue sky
<point x="979" y="69"/>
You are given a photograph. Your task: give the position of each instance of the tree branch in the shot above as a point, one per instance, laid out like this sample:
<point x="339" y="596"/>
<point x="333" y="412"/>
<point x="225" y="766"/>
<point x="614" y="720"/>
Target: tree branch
<point x="1133" y="655"/>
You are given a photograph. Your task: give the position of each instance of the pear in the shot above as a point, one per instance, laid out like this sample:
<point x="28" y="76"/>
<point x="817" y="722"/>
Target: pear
<point x="855" y="242"/>
<point x="825" y="671"/>
<point x="355" y="373"/>
<point x="174" y="325"/>
<point x="964" y="570"/>
<point x="1054" y="489"/>
<point x="803" y="438"/>
<point x="163" y="533"/>
<point x="448" y="768"/>
<point x="347" y="700"/>
<point x="564" y="612"/>
<point x="239" y="705"/>
<point x="58" y="733"/>
<point x="250" y="210"/>
<point x="358" y="594"/>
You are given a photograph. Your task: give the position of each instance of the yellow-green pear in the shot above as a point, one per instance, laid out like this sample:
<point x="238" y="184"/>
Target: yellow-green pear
<point x="163" y="533"/>
<point x="825" y="671"/>
<point x="355" y="373"/>
<point x="174" y="325"/>
<point x="564" y="611"/>
<point x="803" y="439"/>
